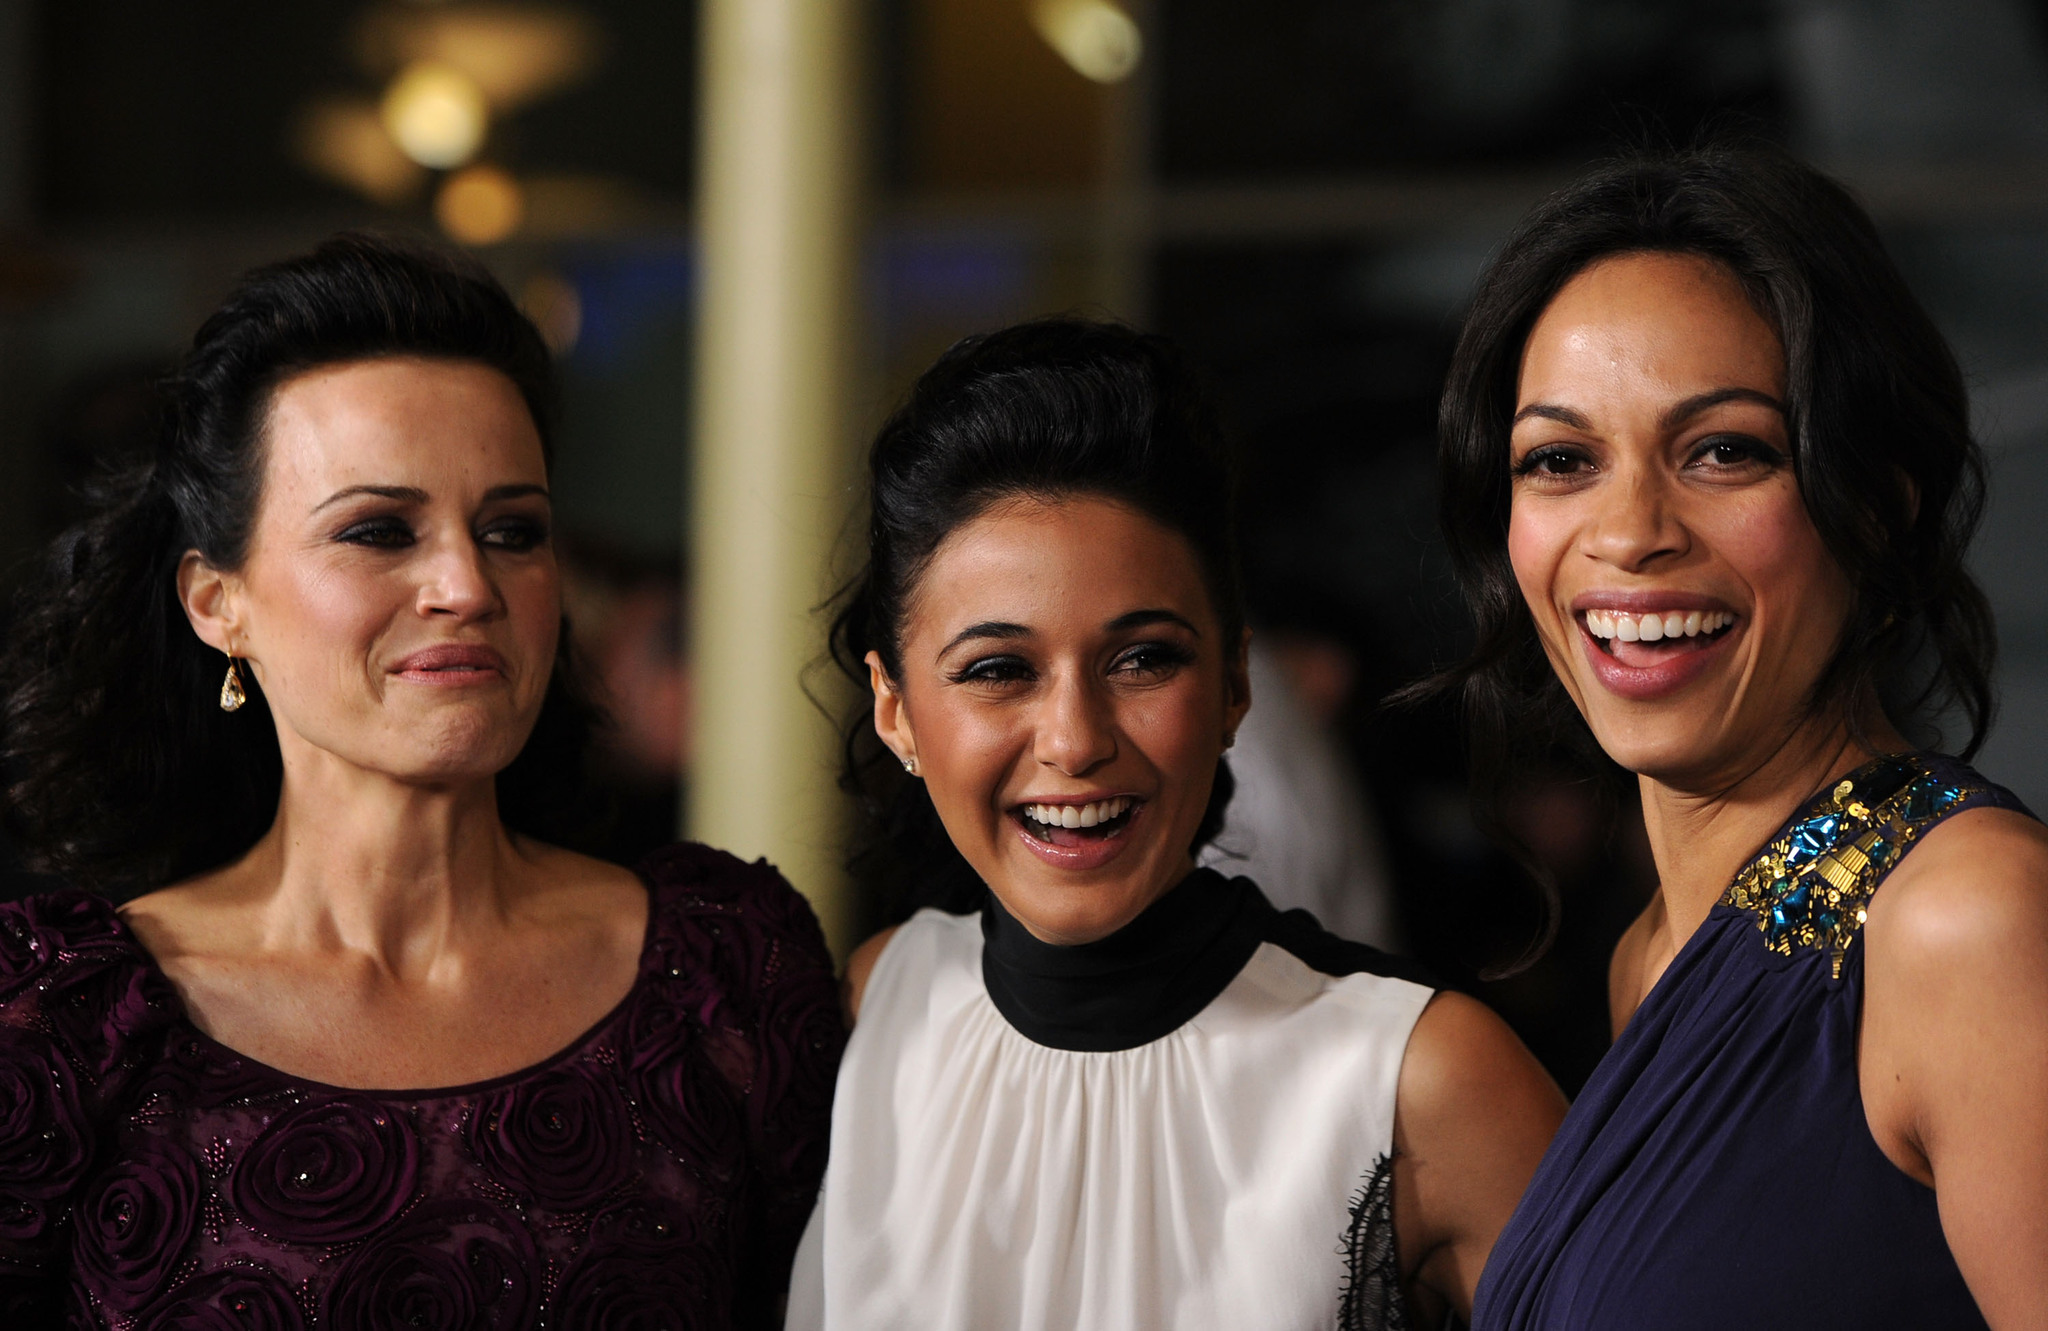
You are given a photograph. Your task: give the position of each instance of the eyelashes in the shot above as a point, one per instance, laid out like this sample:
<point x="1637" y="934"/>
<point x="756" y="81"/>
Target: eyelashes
<point x="1719" y="451"/>
<point x="991" y="670"/>
<point x="517" y="534"/>
<point x="1539" y="457"/>
<point x="1147" y="659"/>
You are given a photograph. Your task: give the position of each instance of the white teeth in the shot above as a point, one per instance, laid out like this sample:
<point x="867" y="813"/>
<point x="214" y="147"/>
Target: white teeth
<point x="1078" y="815"/>
<point x="1656" y="626"/>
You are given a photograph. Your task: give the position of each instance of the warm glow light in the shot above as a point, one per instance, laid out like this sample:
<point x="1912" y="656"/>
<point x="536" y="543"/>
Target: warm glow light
<point x="436" y="113"/>
<point x="1096" y="37"/>
<point x="556" y="308"/>
<point x="480" y="206"/>
<point x="347" y="143"/>
<point x="515" y="53"/>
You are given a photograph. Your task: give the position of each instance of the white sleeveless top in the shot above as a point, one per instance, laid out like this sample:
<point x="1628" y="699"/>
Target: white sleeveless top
<point x="1194" y="1133"/>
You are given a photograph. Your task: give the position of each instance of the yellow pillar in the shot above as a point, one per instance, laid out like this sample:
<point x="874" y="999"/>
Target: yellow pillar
<point x="776" y="218"/>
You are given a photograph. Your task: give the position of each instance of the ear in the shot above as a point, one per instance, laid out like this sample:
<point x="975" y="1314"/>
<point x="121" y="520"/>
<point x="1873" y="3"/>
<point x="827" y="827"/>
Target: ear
<point x="1237" y="685"/>
<point x="892" y="722"/>
<point x="210" y="604"/>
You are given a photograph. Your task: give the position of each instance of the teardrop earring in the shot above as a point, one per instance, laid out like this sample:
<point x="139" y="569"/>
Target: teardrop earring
<point x="231" y="695"/>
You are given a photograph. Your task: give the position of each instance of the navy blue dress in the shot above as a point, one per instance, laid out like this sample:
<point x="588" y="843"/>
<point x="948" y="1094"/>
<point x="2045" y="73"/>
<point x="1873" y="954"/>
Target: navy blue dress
<point x="1718" y="1170"/>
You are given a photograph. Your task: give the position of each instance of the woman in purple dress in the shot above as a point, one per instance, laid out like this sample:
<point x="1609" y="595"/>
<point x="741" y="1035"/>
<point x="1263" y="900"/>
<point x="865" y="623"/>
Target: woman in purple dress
<point x="1710" y="480"/>
<point x="370" y="1048"/>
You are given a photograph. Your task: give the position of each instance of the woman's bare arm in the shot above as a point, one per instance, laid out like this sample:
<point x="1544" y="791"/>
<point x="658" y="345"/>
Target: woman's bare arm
<point x="1474" y="1114"/>
<point x="1954" y="1057"/>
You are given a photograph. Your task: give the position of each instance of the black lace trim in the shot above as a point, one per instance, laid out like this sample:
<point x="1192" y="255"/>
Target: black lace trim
<point x="1372" y="1299"/>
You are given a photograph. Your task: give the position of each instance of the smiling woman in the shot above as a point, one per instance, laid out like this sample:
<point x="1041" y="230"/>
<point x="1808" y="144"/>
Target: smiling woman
<point x="371" y="1048"/>
<point x="1709" y="481"/>
<point x="1103" y="1088"/>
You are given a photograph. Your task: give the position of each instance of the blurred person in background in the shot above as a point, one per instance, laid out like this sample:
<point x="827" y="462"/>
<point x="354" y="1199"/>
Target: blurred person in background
<point x="1093" y="1085"/>
<point x="1299" y="824"/>
<point x="1709" y="481"/>
<point x="629" y="617"/>
<point x="371" y="1045"/>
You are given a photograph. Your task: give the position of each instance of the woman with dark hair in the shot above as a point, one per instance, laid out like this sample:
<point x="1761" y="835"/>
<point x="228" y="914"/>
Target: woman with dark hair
<point x="1708" y="478"/>
<point x="1106" y="1089"/>
<point x="302" y="682"/>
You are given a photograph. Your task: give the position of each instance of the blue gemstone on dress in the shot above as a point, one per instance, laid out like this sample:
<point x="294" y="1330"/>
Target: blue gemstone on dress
<point x="1811" y="838"/>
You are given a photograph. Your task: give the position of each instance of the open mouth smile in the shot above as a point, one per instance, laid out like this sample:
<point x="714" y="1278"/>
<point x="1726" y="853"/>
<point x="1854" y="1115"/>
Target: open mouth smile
<point x="1655" y="637"/>
<point x="1647" y="654"/>
<point x="1078" y="824"/>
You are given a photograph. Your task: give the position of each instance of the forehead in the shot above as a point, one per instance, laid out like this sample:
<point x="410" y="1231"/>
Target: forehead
<point x="1075" y="563"/>
<point x="1657" y="325"/>
<point x="438" y="425"/>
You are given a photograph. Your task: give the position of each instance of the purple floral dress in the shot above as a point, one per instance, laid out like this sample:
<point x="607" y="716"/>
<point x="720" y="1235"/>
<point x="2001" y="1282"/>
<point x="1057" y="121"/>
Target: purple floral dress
<point x="657" y="1173"/>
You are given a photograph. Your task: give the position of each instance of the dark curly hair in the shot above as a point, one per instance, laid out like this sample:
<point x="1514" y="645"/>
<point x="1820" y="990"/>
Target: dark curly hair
<point x="1876" y="406"/>
<point x="1051" y="409"/>
<point x="122" y="771"/>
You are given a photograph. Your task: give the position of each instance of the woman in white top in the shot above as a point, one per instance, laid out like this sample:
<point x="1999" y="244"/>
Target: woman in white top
<point x="1117" y="1091"/>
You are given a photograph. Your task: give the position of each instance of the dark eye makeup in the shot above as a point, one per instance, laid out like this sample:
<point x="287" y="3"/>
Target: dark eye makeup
<point x="1735" y="450"/>
<point x="380" y="533"/>
<point x="392" y="533"/>
<point x="1552" y="460"/>
<point x="1153" y="658"/>
<point x="992" y="670"/>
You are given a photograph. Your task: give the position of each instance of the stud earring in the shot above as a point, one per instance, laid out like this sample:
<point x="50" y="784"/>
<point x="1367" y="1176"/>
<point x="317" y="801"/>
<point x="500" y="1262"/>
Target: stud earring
<point x="231" y="695"/>
<point x="910" y="766"/>
<point x="1230" y="739"/>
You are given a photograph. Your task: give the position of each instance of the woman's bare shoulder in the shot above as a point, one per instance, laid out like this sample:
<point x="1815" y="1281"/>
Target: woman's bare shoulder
<point x="859" y="967"/>
<point x="1974" y="888"/>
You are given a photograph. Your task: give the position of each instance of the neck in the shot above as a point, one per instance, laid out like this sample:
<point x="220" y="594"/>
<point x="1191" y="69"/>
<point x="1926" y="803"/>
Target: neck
<point x="358" y="862"/>
<point x="1703" y="830"/>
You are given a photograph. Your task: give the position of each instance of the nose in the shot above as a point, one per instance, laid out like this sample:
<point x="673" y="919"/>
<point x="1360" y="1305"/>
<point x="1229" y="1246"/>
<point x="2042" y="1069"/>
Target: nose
<point x="1074" y="735"/>
<point x="456" y="581"/>
<point x="1636" y="522"/>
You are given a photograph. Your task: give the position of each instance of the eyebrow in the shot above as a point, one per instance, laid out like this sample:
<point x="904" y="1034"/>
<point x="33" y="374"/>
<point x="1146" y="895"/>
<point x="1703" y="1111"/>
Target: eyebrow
<point x="412" y="494"/>
<point x="1130" y="619"/>
<point x="1545" y="411"/>
<point x="1138" y="619"/>
<point x="987" y="628"/>
<point x="1699" y="402"/>
<point x="1675" y="415"/>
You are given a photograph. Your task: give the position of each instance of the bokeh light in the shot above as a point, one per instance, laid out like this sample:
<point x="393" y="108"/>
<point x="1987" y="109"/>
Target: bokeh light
<point x="1096" y="37"/>
<point x="436" y="113"/>
<point x="556" y="308"/>
<point x="481" y="205"/>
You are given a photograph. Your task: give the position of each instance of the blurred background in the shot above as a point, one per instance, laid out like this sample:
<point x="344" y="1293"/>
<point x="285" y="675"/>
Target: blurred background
<point x="745" y="225"/>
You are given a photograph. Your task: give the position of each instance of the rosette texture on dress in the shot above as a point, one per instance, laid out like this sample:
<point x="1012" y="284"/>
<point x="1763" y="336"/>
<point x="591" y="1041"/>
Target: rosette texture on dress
<point x="655" y="1173"/>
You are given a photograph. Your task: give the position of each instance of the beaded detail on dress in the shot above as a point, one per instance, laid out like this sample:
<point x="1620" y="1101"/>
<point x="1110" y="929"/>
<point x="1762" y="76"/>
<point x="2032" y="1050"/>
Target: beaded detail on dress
<point x="1811" y="887"/>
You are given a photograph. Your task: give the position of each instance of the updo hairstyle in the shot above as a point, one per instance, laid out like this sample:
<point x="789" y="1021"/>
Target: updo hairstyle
<point x="123" y="773"/>
<point x="1052" y="410"/>
<point x="1876" y="408"/>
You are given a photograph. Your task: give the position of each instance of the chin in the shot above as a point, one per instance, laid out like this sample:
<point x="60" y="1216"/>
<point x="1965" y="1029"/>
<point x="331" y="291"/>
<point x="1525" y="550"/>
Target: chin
<point x="455" y="755"/>
<point x="1671" y="750"/>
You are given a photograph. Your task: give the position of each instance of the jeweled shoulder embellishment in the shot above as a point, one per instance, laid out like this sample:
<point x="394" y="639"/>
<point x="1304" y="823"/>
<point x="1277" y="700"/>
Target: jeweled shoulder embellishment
<point x="1811" y="887"/>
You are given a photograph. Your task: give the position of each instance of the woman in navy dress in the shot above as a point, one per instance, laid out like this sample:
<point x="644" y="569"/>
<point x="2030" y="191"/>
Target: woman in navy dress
<point x="1710" y="480"/>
